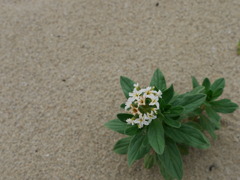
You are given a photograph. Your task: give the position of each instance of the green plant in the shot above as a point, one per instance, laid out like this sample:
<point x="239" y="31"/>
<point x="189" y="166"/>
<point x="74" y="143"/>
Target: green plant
<point x="163" y="124"/>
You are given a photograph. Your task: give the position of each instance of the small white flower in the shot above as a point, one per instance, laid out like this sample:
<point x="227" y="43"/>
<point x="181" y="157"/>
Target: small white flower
<point x="152" y="96"/>
<point x="154" y="101"/>
<point x="129" y="103"/>
<point x="154" y="110"/>
<point x="131" y="99"/>
<point x="135" y="94"/>
<point x="141" y="121"/>
<point x="158" y="93"/>
<point x="147" y="90"/>
<point x="151" y="116"/>
<point x="136" y="85"/>
<point x="134" y="110"/>
<point x="146" y="122"/>
<point x="146" y="117"/>
<point x="130" y="121"/>
<point x="141" y="100"/>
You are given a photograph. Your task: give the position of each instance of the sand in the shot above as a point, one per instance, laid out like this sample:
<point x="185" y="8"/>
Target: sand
<point x="59" y="81"/>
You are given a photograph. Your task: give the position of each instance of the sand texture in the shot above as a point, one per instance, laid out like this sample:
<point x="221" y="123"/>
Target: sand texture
<point x="60" y="63"/>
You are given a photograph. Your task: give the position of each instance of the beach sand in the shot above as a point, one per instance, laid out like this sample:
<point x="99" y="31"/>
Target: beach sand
<point x="59" y="82"/>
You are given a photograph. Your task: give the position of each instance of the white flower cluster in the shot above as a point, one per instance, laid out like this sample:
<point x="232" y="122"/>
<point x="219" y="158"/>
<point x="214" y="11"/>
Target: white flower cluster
<point x="143" y="104"/>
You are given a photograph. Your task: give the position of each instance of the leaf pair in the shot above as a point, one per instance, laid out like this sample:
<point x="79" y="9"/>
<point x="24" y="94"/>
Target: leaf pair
<point x="135" y="146"/>
<point x="158" y="81"/>
<point x="211" y="121"/>
<point x="141" y="143"/>
<point x="138" y="148"/>
<point x="212" y="91"/>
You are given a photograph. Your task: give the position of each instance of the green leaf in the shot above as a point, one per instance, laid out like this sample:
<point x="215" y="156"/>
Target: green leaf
<point x="190" y="102"/>
<point x="194" y="113"/>
<point x="127" y="85"/>
<point x="171" y="160"/>
<point x="132" y="130"/>
<point x="171" y="122"/>
<point x="168" y="94"/>
<point x="164" y="172"/>
<point x="121" y="147"/>
<point x="149" y="160"/>
<point x="175" y="118"/>
<point x="164" y="106"/>
<point x="117" y="125"/>
<point x="195" y="125"/>
<point x="217" y="89"/>
<point x="208" y="126"/>
<point x="216" y="94"/>
<point x="224" y="106"/>
<point x="206" y="83"/>
<point x="137" y="148"/>
<point x="123" y="105"/>
<point x="213" y="116"/>
<point x="188" y="135"/>
<point x="194" y="82"/>
<point x="124" y="116"/>
<point x="209" y="95"/>
<point x="158" y="80"/>
<point x="156" y="136"/>
<point x="197" y="90"/>
<point x="218" y="84"/>
<point x="176" y="110"/>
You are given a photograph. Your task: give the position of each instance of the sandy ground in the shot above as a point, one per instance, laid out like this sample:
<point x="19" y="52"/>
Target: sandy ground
<point x="59" y="81"/>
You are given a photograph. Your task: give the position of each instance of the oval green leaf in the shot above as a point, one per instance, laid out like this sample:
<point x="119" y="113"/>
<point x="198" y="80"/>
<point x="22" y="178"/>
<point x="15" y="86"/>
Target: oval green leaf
<point x="168" y="94"/>
<point x="116" y="125"/>
<point x="188" y="135"/>
<point x="121" y="147"/>
<point x="127" y="85"/>
<point x="132" y="130"/>
<point x="156" y="136"/>
<point x="194" y="82"/>
<point x="218" y="84"/>
<point x="171" y="122"/>
<point x="158" y="80"/>
<point x="206" y="83"/>
<point x="138" y="147"/>
<point x="224" y="106"/>
<point x="171" y="160"/>
<point x="176" y="110"/>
